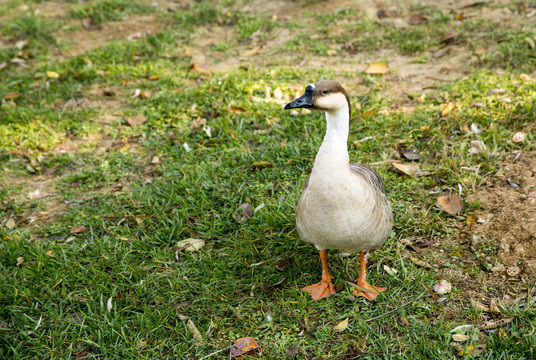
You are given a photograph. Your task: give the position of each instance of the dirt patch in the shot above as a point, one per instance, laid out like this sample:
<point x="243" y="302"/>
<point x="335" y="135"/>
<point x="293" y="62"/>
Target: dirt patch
<point x="134" y="26"/>
<point x="496" y="257"/>
<point x="508" y="215"/>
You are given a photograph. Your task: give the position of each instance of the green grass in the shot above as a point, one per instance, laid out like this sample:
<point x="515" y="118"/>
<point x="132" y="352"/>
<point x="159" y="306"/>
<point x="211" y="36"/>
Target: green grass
<point x="54" y="305"/>
<point x="109" y="10"/>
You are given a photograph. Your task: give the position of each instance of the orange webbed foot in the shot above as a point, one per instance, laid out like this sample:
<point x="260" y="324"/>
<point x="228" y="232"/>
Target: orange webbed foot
<point x="371" y="293"/>
<point x="321" y="290"/>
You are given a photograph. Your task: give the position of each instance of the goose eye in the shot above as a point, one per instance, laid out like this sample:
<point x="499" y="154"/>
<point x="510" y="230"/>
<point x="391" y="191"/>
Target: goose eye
<point x="325" y="92"/>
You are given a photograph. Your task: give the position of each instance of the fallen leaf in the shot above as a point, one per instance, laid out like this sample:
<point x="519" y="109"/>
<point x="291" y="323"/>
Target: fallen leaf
<point x="308" y="327"/>
<point x="442" y="287"/>
<point x="417" y="19"/>
<point x="11" y="223"/>
<point x="519" y="137"/>
<point x="11" y="96"/>
<point x="153" y="77"/>
<point x="431" y="292"/>
<point x="477" y="147"/>
<point x="292" y="351"/>
<point x="341" y="326"/>
<point x="146" y="94"/>
<point x="243" y="213"/>
<point x="186" y="147"/>
<point x="109" y="304"/>
<point x="136" y="120"/>
<point x="447" y="109"/>
<point x="252" y="52"/>
<point x="496" y="92"/>
<point x="470" y="220"/>
<point x="441" y="52"/>
<point x="420" y="263"/>
<point x="447" y="39"/>
<point x="50" y="253"/>
<point x="478" y="305"/>
<point x="21" y="44"/>
<point x="193" y="330"/>
<point x="460" y="337"/>
<point x="389" y="270"/>
<point x="52" y="75"/>
<point x="36" y="194"/>
<point x="377" y="68"/>
<point x="478" y="105"/>
<point x="262" y="164"/>
<point x="198" y="67"/>
<point x="411" y="155"/>
<point x="403" y="321"/>
<point x="406" y="168"/>
<point x="20" y="261"/>
<point x="191" y="244"/>
<point x="450" y="203"/>
<point x="243" y="345"/>
<point x="78" y="229"/>
<point x="487" y="325"/>
<point x="155" y="160"/>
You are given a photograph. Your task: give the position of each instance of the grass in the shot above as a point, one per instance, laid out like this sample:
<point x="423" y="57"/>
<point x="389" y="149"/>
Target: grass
<point x="245" y="281"/>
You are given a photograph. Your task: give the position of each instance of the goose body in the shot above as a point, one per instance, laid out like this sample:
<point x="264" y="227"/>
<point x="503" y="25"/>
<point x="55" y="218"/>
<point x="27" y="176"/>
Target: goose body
<point x="343" y="205"/>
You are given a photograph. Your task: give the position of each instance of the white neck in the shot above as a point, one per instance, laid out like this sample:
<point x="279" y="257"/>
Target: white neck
<point x="334" y="149"/>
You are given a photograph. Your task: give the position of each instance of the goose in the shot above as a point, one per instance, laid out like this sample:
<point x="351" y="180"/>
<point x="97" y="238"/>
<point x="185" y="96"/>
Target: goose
<point x="342" y="206"/>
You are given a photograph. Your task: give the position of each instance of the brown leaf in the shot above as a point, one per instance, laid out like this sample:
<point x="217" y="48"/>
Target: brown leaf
<point x="377" y="68"/>
<point x="78" y="229"/>
<point x="198" y="67"/>
<point x="403" y="321"/>
<point x="243" y="345"/>
<point x="487" y="325"/>
<point x="11" y="96"/>
<point x="450" y="203"/>
<point x="406" y="168"/>
<point x="20" y="261"/>
<point x="420" y="263"/>
<point x="417" y="19"/>
<point x="308" y="327"/>
<point x="50" y="253"/>
<point x="494" y="306"/>
<point x="442" y="287"/>
<point x="447" y="39"/>
<point x="478" y="305"/>
<point x="446" y="109"/>
<point x="136" y="120"/>
<point x="431" y="292"/>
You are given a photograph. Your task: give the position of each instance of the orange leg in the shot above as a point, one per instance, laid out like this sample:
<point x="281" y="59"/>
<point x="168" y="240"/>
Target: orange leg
<point x="324" y="288"/>
<point x="373" y="291"/>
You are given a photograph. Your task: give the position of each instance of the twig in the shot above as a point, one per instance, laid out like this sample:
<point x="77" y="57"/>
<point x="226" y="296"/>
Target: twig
<point x="214" y="353"/>
<point x="395" y="309"/>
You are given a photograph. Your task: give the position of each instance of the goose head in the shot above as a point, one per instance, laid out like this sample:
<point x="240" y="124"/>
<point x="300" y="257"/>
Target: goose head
<point x="325" y="95"/>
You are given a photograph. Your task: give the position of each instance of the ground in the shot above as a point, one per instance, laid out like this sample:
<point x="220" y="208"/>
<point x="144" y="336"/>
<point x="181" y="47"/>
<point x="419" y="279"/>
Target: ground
<point x="130" y="126"/>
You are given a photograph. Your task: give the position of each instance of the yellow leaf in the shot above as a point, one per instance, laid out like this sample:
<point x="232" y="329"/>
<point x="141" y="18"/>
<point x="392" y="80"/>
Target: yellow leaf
<point x="341" y="326"/>
<point x="243" y="345"/>
<point x="262" y="164"/>
<point x="50" y="253"/>
<point x="377" y="68"/>
<point x="471" y="220"/>
<point x="459" y="337"/>
<point x="52" y="75"/>
<point x="252" y="52"/>
<point x="446" y="109"/>
<point x="191" y="244"/>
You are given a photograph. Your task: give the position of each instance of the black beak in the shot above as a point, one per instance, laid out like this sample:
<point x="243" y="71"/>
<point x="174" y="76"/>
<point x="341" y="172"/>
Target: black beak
<point x="304" y="101"/>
